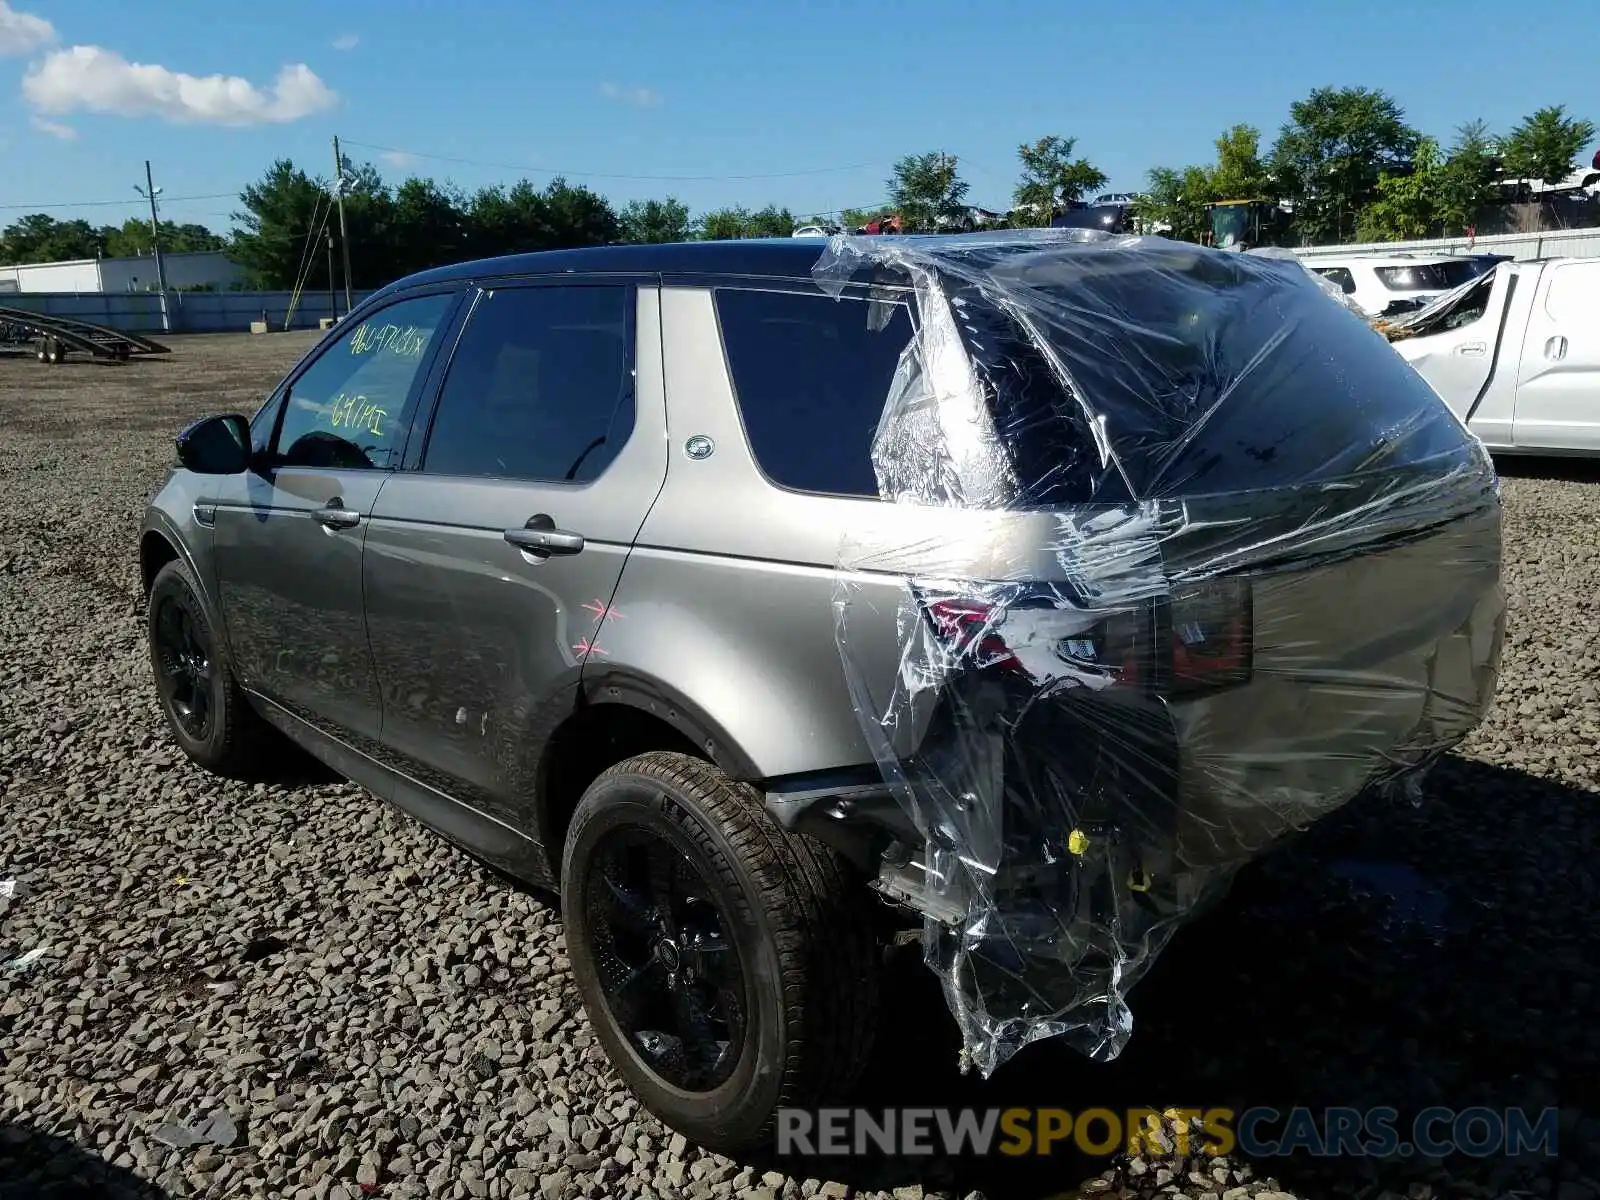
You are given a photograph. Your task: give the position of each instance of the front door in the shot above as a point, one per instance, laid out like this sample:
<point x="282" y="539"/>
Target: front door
<point x="1558" y="386"/>
<point x="289" y="533"/>
<point x="489" y="568"/>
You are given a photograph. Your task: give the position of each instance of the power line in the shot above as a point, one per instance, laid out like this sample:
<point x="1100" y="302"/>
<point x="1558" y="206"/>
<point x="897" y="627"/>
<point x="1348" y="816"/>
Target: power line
<point x="114" y="203"/>
<point x="472" y="162"/>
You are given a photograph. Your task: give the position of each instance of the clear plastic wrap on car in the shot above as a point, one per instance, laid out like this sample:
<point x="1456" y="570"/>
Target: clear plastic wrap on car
<point x="1212" y="561"/>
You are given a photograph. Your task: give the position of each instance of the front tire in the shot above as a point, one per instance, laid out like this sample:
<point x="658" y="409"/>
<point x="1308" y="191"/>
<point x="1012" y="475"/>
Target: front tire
<point x="727" y="967"/>
<point x="202" y="702"/>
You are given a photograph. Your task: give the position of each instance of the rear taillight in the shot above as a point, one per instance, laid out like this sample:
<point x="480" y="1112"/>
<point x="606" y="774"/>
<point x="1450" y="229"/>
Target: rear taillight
<point x="1211" y="627"/>
<point x="966" y="628"/>
<point x="1196" y="640"/>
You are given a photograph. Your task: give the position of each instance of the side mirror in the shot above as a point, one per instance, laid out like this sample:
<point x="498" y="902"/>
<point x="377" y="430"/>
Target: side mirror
<point x="216" y="445"/>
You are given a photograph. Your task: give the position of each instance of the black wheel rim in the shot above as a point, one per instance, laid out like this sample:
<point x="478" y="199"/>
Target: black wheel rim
<point x="668" y="969"/>
<point x="183" y="657"/>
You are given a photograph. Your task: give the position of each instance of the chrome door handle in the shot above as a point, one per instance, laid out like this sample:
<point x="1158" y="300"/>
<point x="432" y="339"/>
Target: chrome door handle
<point x="1556" y="348"/>
<point x="333" y="516"/>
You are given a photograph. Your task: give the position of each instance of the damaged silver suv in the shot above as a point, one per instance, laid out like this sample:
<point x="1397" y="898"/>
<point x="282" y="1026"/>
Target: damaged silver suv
<point x="764" y="598"/>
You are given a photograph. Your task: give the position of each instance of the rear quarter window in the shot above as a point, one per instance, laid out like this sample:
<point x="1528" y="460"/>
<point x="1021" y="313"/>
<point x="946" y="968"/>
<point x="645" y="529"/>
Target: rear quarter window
<point x="811" y="375"/>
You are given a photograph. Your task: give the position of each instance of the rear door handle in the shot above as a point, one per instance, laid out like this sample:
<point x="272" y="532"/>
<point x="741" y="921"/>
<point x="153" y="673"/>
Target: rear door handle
<point x="1556" y="348"/>
<point x="541" y="537"/>
<point x="1473" y="349"/>
<point x="334" y="516"/>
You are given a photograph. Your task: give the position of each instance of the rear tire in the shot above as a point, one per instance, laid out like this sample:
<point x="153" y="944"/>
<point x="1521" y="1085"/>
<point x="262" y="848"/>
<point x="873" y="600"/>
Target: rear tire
<point x="205" y="708"/>
<point x="748" y="981"/>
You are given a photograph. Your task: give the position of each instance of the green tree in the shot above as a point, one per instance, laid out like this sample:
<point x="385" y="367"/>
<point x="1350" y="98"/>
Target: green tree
<point x="1331" y="153"/>
<point x="40" y="238"/>
<point x="503" y="220"/>
<point x="1240" y="173"/>
<point x="1409" y="202"/>
<point x="132" y="238"/>
<point x="577" y="216"/>
<point x="1176" y="198"/>
<point x="926" y="187"/>
<point x="645" y="221"/>
<point x="1052" y="178"/>
<point x="281" y="214"/>
<point x="426" y="226"/>
<point x="722" y="224"/>
<point x="1544" y="145"/>
<point x="770" y="221"/>
<point x="1468" y="179"/>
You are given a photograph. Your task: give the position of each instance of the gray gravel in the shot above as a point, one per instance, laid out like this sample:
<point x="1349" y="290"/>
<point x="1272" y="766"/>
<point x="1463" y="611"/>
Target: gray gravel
<point x="291" y="990"/>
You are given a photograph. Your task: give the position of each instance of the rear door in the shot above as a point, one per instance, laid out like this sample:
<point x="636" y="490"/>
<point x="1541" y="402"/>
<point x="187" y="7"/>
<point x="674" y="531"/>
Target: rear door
<point x="490" y="565"/>
<point x="1558" y="384"/>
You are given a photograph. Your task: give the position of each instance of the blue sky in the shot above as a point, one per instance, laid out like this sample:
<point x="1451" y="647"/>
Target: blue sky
<point x="724" y="90"/>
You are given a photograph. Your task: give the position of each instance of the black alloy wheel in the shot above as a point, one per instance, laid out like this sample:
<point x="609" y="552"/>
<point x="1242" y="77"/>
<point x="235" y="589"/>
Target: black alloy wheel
<point x="207" y="712"/>
<point x="185" y="677"/>
<point x="729" y="968"/>
<point x="670" y="972"/>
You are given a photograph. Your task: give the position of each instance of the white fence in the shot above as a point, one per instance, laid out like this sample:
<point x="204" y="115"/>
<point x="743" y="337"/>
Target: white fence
<point x="1562" y="243"/>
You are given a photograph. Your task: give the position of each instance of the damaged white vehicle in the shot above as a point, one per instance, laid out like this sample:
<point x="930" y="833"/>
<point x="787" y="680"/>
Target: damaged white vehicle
<point x="1515" y="354"/>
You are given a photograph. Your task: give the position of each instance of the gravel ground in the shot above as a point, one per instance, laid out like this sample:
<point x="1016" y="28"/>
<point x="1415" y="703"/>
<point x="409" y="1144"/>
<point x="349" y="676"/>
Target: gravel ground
<point x="290" y="990"/>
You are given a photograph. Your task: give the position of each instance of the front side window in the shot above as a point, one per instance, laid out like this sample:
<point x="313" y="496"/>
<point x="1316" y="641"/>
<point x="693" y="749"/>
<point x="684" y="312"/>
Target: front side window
<point x="348" y="410"/>
<point x="540" y="386"/>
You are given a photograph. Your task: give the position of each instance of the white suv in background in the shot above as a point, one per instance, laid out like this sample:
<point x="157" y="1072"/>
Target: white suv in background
<point x="1384" y="284"/>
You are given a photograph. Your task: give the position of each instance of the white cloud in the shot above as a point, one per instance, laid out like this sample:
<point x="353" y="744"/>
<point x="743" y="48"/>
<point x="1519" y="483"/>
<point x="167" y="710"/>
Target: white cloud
<point x="55" y="129"/>
<point x="22" y="33"/>
<point x="399" y="158"/>
<point x="93" y="79"/>
<point x="346" y="41"/>
<point x="641" y="97"/>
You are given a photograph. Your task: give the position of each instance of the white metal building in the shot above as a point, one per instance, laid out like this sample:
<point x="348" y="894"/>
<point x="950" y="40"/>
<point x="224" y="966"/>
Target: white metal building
<point x="89" y="276"/>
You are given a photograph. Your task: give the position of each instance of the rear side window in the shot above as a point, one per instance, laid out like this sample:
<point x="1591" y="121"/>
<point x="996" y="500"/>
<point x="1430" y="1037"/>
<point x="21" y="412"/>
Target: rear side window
<point x="1420" y="278"/>
<point x="1574" y="292"/>
<point x="540" y="386"/>
<point x="812" y="377"/>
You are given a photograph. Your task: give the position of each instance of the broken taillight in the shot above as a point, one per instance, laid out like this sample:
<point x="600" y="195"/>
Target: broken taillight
<point x="966" y="629"/>
<point x="1211" y="635"/>
<point x="1197" y="639"/>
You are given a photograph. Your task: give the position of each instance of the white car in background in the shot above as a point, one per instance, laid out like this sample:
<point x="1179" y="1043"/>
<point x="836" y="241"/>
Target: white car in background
<point x="1384" y="284"/>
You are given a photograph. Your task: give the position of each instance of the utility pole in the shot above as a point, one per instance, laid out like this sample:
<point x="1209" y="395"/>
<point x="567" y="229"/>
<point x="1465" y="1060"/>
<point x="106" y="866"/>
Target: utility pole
<point x="150" y="191"/>
<point x="333" y="303"/>
<point x="344" y="233"/>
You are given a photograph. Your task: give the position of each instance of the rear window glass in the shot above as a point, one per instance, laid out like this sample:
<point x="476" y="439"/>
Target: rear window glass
<point x="1419" y="278"/>
<point x="812" y="377"/>
<point x="1210" y="375"/>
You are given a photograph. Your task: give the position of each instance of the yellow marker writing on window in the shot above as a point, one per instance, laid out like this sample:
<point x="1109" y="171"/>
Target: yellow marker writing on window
<point x="402" y="341"/>
<point x="356" y="412"/>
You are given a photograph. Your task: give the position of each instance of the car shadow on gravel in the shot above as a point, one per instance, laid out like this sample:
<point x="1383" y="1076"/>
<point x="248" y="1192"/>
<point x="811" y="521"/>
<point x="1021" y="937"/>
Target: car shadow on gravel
<point x="1569" y="469"/>
<point x="1395" y="955"/>
<point x="40" y="1166"/>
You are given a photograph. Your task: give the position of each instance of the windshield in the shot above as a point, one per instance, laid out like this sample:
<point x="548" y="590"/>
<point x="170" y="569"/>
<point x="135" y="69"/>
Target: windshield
<point x="1229" y="224"/>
